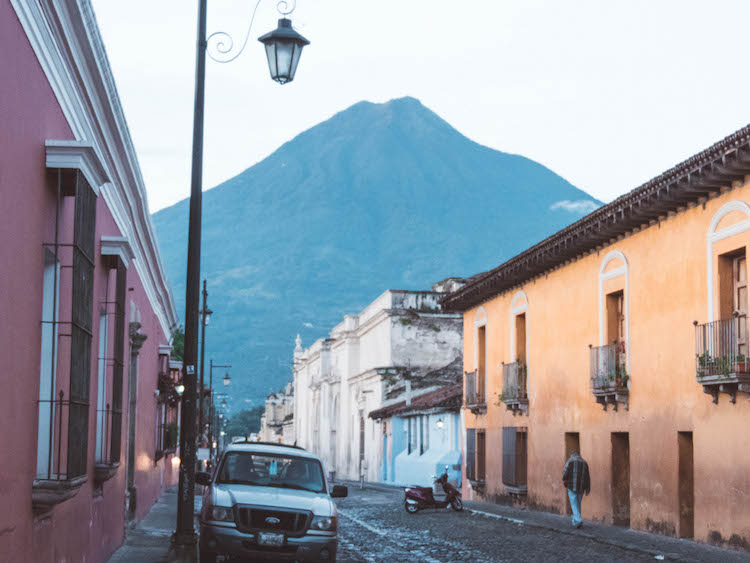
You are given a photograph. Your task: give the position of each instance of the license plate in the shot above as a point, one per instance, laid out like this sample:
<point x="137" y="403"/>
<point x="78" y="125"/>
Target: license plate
<point x="266" y="538"/>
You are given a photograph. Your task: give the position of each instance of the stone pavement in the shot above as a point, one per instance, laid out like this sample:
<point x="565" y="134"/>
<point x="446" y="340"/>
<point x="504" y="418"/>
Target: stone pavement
<point x="551" y="526"/>
<point x="150" y="540"/>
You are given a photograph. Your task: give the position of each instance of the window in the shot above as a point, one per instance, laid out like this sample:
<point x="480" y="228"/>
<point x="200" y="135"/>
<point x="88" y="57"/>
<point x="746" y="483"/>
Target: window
<point x="515" y="445"/>
<point x="520" y="339"/>
<point x="471" y="448"/>
<point x="481" y="353"/>
<point x="48" y="365"/>
<point x="475" y="454"/>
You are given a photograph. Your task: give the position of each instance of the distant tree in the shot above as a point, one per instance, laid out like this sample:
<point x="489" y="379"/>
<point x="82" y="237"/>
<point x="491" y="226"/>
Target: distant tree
<point x="245" y="422"/>
<point x="178" y="343"/>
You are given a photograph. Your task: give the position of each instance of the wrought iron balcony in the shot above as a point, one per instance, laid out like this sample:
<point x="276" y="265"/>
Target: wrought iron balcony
<point x="515" y="394"/>
<point x="107" y="460"/>
<point x="721" y="363"/>
<point x="474" y="398"/>
<point x="609" y="376"/>
<point x="57" y="478"/>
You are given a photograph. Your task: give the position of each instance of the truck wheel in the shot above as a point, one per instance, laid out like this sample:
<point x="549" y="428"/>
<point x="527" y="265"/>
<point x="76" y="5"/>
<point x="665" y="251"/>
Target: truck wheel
<point x="457" y="505"/>
<point x="411" y="508"/>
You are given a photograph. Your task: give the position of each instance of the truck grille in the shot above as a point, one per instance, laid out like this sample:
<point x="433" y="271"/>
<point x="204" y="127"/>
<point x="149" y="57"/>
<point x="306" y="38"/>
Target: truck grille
<point x="290" y="522"/>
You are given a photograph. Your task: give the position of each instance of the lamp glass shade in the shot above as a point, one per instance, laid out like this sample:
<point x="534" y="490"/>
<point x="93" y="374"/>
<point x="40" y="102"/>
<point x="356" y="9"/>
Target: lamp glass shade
<point x="180" y="389"/>
<point x="227" y="379"/>
<point x="224" y="404"/>
<point x="440" y="423"/>
<point x="283" y="50"/>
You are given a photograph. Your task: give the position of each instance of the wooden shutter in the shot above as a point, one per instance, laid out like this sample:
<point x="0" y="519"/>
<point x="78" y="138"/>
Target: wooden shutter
<point x="509" y="456"/>
<point x="470" y="454"/>
<point x="521" y="456"/>
<point x="84" y="229"/>
<point x="119" y="361"/>
<point x="480" y="455"/>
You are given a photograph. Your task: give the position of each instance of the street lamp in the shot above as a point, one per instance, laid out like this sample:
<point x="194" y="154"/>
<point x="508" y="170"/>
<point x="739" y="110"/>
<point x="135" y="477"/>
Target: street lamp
<point x="180" y="389"/>
<point x="224" y="404"/>
<point x="227" y="379"/>
<point x="286" y="61"/>
<point x="283" y="49"/>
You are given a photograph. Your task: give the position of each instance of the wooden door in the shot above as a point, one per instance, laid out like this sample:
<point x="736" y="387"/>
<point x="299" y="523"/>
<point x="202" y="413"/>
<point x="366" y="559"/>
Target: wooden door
<point x="739" y="293"/>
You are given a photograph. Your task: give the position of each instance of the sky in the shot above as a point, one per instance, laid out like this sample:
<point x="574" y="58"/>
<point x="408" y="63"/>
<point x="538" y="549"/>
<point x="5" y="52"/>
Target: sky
<point x="606" y="94"/>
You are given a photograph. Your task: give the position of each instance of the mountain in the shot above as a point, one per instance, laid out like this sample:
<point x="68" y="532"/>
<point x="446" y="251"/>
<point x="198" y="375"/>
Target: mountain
<point x="379" y="196"/>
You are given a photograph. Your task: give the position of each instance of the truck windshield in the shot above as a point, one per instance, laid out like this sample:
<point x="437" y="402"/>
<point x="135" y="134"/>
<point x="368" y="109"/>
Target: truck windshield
<point x="271" y="470"/>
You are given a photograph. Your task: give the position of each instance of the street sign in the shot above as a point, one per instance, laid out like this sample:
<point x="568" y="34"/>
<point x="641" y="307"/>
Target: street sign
<point x="203" y="454"/>
<point x="190" y="369"/>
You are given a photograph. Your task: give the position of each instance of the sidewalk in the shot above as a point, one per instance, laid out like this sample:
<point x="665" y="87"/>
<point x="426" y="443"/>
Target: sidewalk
<point x="150" y="540"/>
<point x="658" y="546"/>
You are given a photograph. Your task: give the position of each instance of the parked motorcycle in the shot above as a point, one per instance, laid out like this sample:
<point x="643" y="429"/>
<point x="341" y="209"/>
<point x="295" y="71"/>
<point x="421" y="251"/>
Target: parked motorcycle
<point x="417" y="498"/>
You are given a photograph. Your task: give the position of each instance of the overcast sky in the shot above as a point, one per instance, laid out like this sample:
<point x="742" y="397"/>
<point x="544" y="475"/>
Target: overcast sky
<point x="606" y="94"/>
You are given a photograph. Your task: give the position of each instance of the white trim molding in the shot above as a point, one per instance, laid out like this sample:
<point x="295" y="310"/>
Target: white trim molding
<point x="77" y="155"/>
<point x="165" y="349"/>
<point x="517" y="310"/>
<point x="117" y="246"/>
<point x="70" y="51"/>
<point x="623" y="270"/>
<point x="713" y="236"/>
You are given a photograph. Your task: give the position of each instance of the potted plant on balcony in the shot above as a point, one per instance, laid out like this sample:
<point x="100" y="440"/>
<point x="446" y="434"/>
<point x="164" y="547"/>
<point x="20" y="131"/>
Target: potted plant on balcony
<point x="741" y="364"/>
<point x="621" y="378"/>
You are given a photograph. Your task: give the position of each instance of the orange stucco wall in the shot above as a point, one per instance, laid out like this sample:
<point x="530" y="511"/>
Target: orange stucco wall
<point x="667" y="291"/>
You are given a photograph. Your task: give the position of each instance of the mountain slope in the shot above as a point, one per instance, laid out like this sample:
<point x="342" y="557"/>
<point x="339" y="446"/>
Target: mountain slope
<point x="379" y="196"/>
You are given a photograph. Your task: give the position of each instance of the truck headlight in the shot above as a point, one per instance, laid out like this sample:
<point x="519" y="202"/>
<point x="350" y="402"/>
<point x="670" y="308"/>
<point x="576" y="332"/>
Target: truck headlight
<point x="325" y="523"/>
<point x="221" y="514"/>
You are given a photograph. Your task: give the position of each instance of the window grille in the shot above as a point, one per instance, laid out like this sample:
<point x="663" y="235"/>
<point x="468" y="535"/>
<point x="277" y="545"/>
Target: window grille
<point x="471" y="454"/>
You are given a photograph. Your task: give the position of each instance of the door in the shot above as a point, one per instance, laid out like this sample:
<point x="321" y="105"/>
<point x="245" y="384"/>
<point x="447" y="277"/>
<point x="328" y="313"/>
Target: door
<point x="739" y="293"/>
<point x="685" y="483"/>
<point x="620" y="479"/>
<point x="572" y="444"/>
<point x="480" y="455"/>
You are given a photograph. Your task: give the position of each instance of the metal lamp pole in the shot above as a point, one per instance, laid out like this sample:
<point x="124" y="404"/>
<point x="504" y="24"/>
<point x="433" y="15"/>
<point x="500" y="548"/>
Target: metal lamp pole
<point x="205" y="314"/>
<point x="211" y="425"/>
<point x="185" y="536"/>
<point x="283" y="49"/>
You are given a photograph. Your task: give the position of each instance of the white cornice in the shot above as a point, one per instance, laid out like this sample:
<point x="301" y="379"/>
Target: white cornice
<point x="77" y="155"/>
<point x="117" y="246"/>
<point x="69" y="48"/>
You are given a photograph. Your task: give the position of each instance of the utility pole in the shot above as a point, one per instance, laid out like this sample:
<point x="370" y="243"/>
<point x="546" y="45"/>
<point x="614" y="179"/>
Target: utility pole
<point x="185" y="536"/>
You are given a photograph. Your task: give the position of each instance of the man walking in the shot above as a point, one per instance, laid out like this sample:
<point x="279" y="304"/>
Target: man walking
<point x="577" y="481"/>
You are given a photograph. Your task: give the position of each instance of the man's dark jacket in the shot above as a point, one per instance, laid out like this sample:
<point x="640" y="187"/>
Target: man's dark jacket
<point x="576" y="475"/>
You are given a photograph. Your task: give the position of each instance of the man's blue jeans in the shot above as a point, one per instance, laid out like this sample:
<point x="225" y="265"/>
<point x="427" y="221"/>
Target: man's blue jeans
<point x="575" y="505"/>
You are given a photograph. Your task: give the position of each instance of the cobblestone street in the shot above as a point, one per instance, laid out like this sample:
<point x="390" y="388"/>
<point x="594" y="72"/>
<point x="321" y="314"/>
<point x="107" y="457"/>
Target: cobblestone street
<point x="374" y="527"/>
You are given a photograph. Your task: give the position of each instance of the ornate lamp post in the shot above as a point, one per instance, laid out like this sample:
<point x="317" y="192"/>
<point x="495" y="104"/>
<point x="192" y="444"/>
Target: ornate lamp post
<point x="286" y="50"/>
<point x="205" y="316"/>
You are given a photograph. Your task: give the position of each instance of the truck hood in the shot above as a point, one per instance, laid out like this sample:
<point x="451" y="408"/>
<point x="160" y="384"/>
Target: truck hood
<point x="320" y="504"/>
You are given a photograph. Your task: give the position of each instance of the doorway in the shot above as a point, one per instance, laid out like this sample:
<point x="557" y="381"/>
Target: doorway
<point x="572" y="444"/>
<point x="620" y="479"/>
<point x="685" y="491"/>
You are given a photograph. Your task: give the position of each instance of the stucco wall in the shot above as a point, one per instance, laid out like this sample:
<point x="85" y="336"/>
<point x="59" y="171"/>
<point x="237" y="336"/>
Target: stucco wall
<point x="667" y="291"/>
<point x="90" y="526"/>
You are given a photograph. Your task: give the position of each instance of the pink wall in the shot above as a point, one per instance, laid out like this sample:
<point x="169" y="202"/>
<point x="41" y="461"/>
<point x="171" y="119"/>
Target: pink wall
<point x="88" y="527"/>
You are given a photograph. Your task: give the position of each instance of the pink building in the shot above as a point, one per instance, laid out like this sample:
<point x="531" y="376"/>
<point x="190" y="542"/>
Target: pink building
<point x="87" y="405"/>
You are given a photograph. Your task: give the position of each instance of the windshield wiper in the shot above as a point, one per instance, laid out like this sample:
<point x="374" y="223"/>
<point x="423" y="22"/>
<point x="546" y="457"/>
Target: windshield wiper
<point x="293" y="486"/>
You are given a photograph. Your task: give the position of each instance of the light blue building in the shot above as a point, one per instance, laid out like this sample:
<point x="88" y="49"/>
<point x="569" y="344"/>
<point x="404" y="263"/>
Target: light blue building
<point x="420" y="438"/>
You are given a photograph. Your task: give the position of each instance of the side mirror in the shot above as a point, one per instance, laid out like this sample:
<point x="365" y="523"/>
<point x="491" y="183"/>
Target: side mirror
<point x="446" y="469"/>
<point x="339" y="491"/>
<point x="202" y="478"/>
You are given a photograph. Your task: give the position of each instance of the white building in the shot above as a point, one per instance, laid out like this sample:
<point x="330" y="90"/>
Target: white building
<point x="277" y="422"/>
<point x="395" y="347"/>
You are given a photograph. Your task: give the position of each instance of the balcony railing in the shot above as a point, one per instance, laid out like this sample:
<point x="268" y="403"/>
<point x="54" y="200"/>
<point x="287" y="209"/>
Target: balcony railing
<point x="54" y="481"/>
<point x="515" y="394"/>
<point x="474" y="391"/>
<point x="720" y="357"/>
<point x="608" y="375"/>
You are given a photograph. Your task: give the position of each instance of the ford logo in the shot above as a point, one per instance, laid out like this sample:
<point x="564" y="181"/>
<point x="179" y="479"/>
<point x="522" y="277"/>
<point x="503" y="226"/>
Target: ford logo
<point x="272" y="521"/>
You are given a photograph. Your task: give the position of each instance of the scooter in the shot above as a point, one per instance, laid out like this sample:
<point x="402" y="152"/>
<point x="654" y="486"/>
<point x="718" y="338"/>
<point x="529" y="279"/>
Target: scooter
<point x="417" y="498"/>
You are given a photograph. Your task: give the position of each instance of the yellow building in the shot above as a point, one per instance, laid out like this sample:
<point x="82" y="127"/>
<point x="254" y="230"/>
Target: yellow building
<point x="625" y="336"/>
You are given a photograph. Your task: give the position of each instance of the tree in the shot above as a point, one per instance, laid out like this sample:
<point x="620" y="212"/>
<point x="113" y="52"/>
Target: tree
<point x="245" y="422"/>
<point x="178" y="343"/>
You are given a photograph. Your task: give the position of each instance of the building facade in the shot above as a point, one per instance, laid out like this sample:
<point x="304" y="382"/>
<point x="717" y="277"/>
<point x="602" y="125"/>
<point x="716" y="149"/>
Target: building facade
<point x="277" y="421"/>
<point x="623" y="336"/>
<point x="87" y="309"/>
<point x="401" y="344"/>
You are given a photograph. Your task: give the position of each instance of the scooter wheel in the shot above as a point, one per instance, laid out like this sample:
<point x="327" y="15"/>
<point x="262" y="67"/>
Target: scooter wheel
<point x="457" y="505"/>
<point x="411" y="508"/>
